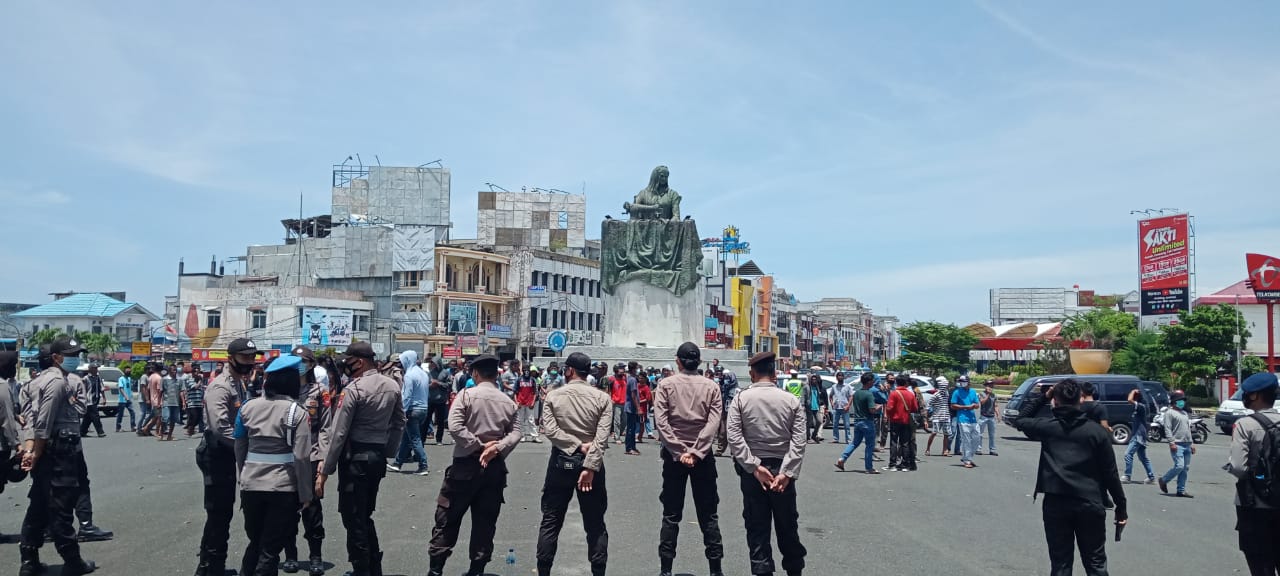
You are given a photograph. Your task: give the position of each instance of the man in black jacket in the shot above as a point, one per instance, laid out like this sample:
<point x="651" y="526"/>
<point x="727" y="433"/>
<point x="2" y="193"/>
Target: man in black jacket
<point x="1077" y="465"/>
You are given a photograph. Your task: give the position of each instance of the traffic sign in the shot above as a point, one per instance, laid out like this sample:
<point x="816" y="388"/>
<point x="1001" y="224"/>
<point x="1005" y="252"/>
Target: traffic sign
<point x="557" y="340"/>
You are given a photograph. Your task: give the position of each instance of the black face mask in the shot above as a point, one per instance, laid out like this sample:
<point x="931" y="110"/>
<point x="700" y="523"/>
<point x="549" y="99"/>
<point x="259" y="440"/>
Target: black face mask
<point x="349" y="368"/>
<point x="241" y="369"/>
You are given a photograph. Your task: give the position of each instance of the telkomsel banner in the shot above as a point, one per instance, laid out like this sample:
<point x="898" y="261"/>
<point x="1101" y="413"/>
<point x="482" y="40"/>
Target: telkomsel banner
<point x="1164" y="248"/>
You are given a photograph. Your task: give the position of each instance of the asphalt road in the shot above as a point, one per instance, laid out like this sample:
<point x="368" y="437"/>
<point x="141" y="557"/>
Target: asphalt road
<point x="941" y="520"/>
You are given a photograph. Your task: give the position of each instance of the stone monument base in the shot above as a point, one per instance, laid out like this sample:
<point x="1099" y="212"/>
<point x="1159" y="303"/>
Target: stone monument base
<point x="735" y="360"/>
<point x="639" y="314"/>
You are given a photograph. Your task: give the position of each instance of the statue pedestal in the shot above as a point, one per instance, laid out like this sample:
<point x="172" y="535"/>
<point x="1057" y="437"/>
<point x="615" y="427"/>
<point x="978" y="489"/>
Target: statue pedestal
<point x="638" y="313"/>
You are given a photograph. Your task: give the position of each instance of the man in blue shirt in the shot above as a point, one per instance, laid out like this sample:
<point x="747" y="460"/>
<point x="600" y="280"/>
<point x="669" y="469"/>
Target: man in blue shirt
<point x="964" y="403"/>
<point x="416" y="398"/>
<point x="125" y="403"/>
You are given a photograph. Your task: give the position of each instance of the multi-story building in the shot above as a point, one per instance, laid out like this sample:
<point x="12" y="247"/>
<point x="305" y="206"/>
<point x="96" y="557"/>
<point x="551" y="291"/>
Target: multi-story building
<point x="1035" y="305"/>
<point x="459" y="304"/>
<point x="93" y="312"/>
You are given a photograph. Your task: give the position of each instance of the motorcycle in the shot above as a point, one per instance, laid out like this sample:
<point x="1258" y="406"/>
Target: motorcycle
<point x="1199" y="429"/>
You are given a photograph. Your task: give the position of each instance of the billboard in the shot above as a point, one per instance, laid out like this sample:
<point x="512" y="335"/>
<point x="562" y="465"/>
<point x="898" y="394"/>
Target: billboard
<point x="464" y="317"/>
<point x="498" y="331"/>
<point x="1264" y="275"/>
<point x="326" y="327"/>
<point x="1164" y="261"/>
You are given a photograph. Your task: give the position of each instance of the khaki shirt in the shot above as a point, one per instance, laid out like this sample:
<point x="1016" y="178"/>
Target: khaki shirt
<point x="273" y="447"/>
<point x="575" y="414"/>
<point x="687" y="408"/>
<point x="765" y="422"/>
<point x="1246" y="442"/>
<point x="368" y="412"/>
<point x="482" y="414"/>
<point x="222" y="400"/>
<point x="26" y="407"/>
<point x="53" y="406"/>
<point x="319" y="415"/>
<point x="78" y="388"/>
<point x="8" y="418"/>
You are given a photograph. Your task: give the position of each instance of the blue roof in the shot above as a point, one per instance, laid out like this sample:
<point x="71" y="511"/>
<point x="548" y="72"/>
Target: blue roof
<point x="92" y="305"/>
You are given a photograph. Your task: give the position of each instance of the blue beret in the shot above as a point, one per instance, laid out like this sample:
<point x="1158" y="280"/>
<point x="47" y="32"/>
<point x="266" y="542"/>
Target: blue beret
<point x="1258" y="382"/>
<point x="286" y="362"/>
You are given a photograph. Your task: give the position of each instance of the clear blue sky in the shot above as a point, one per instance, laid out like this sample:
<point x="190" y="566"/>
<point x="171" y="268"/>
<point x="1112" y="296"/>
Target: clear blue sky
<point x="909" y="154"/>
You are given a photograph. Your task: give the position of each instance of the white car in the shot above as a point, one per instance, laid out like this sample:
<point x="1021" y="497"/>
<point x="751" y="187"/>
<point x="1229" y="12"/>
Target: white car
<point x="110" y="387"/>
<point x="1233" y="409"/>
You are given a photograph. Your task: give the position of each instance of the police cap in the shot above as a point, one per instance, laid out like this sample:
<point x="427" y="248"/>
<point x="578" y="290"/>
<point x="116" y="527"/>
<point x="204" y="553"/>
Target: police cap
<point x="305" y="353"/>
<point x="1259" y="382"/>
<point x="762" y="357"/>
<point x="286" y="362"/>
<point x="66" y="346"/>
<point x="580" y="362"/>
<point x="485" y="362"/>
<point x="242" y="346"/>
<point x="361" y="350"/>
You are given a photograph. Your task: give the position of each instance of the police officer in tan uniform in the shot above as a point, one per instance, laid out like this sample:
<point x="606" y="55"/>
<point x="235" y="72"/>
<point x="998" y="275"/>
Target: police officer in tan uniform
<point x="366" y="427"/>
<point x="54" y="458"/>
<point x="314" y="397"/>
<point x="87" y="532"/>
<point x="273" y="456"/>
<point x="216" y="454"/>
<point x="483" y="424"/>
<point x="766" y="432"/>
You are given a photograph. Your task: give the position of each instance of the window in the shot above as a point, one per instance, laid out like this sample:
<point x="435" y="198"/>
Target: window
<point x="258" y="319"/>
<point x="533" y="281"/>
<point x="96" y="329"/>
<point x="573" y="321"/>
<point x="213" y="319"/>
<point x="574" y="284"/>
<point x="70" y="329"/>
<point x="545" y="279"/>
<point x="542" y="314"/>
<point x="564" y="318"/>
<point x="409" y="279"/>
<point x="361" y="324"/>
<point x="1115" y="391"/>
<point x="533" y="317"/>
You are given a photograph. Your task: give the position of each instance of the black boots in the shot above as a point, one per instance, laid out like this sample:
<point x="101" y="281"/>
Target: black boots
<point x="31" y="565"/>
<point x="73" y="564"/>
<point x="316" y="567"/>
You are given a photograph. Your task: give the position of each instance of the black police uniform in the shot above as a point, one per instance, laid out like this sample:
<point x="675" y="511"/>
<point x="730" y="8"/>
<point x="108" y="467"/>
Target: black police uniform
<point x="56" y="478"/>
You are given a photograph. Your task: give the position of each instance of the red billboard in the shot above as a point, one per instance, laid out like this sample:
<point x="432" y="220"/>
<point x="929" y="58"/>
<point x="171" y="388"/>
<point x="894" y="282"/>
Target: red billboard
<point x="1264" y="275"/>
<point x="1164" y="258"/>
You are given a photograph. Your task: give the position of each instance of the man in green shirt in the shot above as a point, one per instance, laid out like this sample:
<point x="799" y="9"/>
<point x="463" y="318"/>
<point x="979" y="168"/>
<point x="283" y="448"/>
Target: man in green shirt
<point x="865" y="411"/>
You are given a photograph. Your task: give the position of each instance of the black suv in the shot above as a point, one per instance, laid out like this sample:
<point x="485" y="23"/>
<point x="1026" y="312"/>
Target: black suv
<point x="1112" y="391"/>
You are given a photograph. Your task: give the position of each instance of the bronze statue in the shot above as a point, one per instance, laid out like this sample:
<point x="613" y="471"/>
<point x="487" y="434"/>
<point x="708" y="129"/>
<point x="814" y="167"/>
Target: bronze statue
<point x="657" y="201"/>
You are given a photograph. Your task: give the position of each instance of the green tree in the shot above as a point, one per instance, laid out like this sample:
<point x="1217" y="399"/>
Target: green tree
<point x="1250" y="365"/>
<point x="1102" y="328"/>
<point x="46" y="336"/>
<point x="1143" y="355"/>
<point x="933" y="347"/>
<point x="101" y="345"/>
<point x="1053" y="358"/>
<point x="1201" y="340"/>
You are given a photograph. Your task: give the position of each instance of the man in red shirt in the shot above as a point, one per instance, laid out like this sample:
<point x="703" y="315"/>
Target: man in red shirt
<point x="618" y="393"/>
<point x="902" y="404"/>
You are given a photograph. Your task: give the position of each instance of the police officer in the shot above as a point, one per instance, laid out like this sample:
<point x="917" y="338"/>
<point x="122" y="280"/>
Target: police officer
<point x="577" y="421"/>
<point x="483" y="424"/>
<point x="216" y="454"/>
<point x="767" y="439"/>
<point x="54" y="457"/>
<point x="366" y="426"/>
<point x="314" y="397"/>
<point x="1257" y="517"/>
<point x="88" y="532"/>
<point x="273" y="456"/>
<point x="9" y="438"/>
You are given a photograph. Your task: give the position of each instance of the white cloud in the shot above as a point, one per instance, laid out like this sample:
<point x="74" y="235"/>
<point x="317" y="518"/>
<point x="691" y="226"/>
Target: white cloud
<point x="25" y="196"/>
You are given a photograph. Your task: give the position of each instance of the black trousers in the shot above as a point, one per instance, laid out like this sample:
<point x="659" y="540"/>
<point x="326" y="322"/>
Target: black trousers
<point x="1260" y="539"/>
<point x="439" y="414"/>
<point x="312" y="527"/>
<point x="560" y="487"/>
<point x="902" y="446"/>
<point x="468" y="486"/>
<point x="706" y="502"/>
<point x="1071" y="521"/>
<point x="84" y="503"/>
<point x="270" y="521"/>
<point x="219" y="508"/>
<point x="359" y="476"/>
<point x="813" y="424"/>
<point x="90" y="417"/>
<point x="55" y="489"/>
<point x="765" y="510"/>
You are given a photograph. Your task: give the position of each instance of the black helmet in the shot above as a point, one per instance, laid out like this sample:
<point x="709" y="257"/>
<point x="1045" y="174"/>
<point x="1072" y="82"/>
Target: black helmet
<point x="620" y="366"/>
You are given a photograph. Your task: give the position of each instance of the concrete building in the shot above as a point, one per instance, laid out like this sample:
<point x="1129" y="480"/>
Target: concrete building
<point x="92" y="312"/>
<point x="1035" y="305"/>
<point x="535" y="220"/>
<point x="461" y="305"/>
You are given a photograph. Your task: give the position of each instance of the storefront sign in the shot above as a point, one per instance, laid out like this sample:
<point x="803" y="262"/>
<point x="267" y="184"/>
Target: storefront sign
<point x="498" y="331"/>
<point x="537" y="292"/>
<point x="451" y="352"/>
<point x="140" y="349"/>
<point x="470" y="345"/>
<point x="220" y="355"/>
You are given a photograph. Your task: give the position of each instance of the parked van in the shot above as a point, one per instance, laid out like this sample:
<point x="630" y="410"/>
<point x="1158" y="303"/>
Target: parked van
<point x="1112" y="392"/>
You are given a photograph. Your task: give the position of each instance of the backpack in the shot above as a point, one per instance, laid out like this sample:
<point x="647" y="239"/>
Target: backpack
<point x="1264" y="473"/>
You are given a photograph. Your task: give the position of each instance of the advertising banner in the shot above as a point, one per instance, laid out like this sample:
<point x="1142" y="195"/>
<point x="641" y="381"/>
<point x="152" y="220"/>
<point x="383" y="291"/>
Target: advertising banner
<point x="463" y="317"/>
<point x="470" y="345"/>
<point x="215" y="355"/>
<point x="1164" y="261"/>
<point x="140" y="349"/>
<point x="322" y="327"/>
<point x="498" y="331"/>
<point x="451" y="352"/>
<point x="537" y="292"/>
<point x="1264" y="274"/>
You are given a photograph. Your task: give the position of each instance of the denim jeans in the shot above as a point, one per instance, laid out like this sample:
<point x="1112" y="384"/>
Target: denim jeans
<point x="412" y="439"/>
<point x="120" y="409"/>
<point x="840" y="420"/>
<point x="1138" y="446"/>
<point x="1181" y="465"/>
<point x="987" y="426"/>
<point x="864" y="432"/>
<point x="968" y="440"/>
<point x="633" y="428"/>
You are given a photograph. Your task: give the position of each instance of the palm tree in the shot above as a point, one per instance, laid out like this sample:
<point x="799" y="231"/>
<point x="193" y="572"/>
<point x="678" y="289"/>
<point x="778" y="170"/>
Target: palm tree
<point x="103" y="345"/>
<point x="46" y="336"/>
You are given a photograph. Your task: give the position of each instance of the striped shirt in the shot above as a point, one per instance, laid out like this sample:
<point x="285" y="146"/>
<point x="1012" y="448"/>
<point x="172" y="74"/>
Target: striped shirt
<point x="940" y="406"/>
<point x="195" y="394"/>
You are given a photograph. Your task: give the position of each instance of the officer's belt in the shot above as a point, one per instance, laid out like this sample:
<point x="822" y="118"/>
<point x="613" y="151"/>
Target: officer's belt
<point x="260" y="458"/>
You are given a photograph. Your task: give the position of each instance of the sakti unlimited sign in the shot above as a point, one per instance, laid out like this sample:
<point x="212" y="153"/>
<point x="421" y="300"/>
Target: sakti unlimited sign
<point x="1164" y="259"/>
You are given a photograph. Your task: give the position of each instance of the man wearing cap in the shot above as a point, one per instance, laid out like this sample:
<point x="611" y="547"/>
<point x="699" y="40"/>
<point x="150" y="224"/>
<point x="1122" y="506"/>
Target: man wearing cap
<point x="687" y="408"/>
<point x="767" y="439"/>
<point x="483" y="424"/>
<point x="366" y="427"/>
<point x="273" y="456"/>
<point x="313" y="399"/>
<point x="55" y="460"/>
<point x="577" y="422"/>
<point x="84" y="504"/>
<point x="215" y="456"/>
<point x="93" y="396"/>
<point x="1257" y="518"/>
